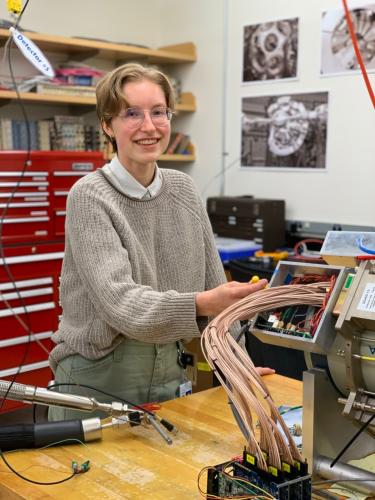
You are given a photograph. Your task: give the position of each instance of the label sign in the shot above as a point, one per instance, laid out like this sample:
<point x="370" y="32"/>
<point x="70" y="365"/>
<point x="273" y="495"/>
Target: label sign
<point x="32" y="53"/>
<point x="88" y="166"/>
<point x="367" y="302"/>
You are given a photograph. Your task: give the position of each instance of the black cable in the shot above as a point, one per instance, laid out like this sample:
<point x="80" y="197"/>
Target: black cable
<point x="351" y="441"/>
<point x="21" y="14"/>
<point x="242" y="332"/>
<point x="31" y="480"/>
<point x="25" y="324"/>
<point x="328" y="372"/>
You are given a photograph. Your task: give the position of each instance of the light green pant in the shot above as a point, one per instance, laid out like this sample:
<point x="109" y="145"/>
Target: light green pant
<point x="135" y="371"/>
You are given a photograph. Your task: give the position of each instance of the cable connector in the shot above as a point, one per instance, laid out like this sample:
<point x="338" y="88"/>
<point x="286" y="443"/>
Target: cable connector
<point x="80" y="469"/>
<point x="135" y="418"/>
<point x="170" y="427"/>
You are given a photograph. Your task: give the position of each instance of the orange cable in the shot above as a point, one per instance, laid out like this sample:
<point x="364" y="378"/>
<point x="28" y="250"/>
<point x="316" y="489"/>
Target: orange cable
<point x="358" y="52"/>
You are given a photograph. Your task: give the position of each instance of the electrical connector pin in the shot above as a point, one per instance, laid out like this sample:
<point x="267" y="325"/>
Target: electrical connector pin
<point x="80" y="469"/>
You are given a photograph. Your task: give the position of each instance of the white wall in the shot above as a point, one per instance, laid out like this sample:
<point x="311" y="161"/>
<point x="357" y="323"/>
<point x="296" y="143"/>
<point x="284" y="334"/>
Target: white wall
<point x="200" y="21"/>
<point x="113" y="20"/>
<point x="345" y="193"/>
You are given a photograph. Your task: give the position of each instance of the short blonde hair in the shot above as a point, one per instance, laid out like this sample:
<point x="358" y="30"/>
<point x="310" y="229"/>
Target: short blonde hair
<point x="110" y="99"/>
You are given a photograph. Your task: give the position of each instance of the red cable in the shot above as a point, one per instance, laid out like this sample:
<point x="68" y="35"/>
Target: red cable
<point x="365" y="257"/>
<point x="298" y="256"/>
<point x="358" y="52"/>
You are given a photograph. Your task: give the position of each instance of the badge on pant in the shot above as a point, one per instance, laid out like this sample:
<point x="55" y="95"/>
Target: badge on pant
<point x="185" y="389"/>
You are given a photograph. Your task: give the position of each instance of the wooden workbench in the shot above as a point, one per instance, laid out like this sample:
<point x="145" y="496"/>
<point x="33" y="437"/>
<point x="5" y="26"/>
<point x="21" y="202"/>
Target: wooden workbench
<point x="136" y="463"/>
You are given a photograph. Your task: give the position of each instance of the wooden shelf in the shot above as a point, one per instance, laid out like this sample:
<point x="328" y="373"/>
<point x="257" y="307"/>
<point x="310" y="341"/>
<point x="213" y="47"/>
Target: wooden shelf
<point x="6" y="95"/>
<point x="178" y="158"/>
<point x="186" y="105"/>
<point x="188" y="158"/>
<point x="83" y="47"/>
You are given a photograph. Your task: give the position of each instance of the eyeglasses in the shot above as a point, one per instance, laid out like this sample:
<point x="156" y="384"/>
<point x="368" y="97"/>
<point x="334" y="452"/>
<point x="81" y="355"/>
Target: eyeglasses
<point x="134" y="117"/>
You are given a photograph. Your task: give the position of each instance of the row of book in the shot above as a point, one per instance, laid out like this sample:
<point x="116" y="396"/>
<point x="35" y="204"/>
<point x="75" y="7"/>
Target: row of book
<point x="68" y="133"/>
<point x="179" y="144"/>
<point x="61" y="89"/>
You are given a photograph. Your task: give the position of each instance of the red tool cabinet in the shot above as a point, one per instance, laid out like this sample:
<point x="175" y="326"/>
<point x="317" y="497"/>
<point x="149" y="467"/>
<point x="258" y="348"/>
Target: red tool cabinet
<point x="31" y="257"/>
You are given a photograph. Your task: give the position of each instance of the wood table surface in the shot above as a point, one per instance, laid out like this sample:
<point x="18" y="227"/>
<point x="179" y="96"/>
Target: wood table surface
<point x="136" y="463"/>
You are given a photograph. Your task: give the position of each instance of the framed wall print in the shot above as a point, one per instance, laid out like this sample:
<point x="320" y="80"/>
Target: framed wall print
<point x="286" y="131"/>
<point x="270" y="51"/>
<point x="337" y="52"/>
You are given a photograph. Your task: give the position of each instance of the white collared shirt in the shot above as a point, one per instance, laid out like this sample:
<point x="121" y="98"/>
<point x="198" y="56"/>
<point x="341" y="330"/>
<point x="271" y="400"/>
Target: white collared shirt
<point x="127" y="184"/>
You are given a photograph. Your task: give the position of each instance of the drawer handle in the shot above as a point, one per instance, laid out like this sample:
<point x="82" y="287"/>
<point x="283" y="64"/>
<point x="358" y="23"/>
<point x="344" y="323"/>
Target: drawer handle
<point x="24" y="368"/>
<point x="23" y="194"/>
<point x="32" y="258"/>
<point x="26" y="293"/>
<point x="20" y="173"/>
<point x="25" y="219"/>
<point x="25" y="339"/>
<point x="23" y="184"/>
<point x="29" y="309"/>
<point x="25" y="204"/>
<point x="25" y="283"/>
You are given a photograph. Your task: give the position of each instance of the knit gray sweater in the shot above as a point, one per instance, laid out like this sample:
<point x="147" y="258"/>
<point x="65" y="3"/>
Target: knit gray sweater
<point x="132" y="267"/>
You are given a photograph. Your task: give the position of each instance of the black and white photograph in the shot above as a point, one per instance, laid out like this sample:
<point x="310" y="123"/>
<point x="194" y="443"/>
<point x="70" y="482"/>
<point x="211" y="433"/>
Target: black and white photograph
<point x="270" y="50"/>
<point x="337" y="52"/>
<point x="285" y="131"/>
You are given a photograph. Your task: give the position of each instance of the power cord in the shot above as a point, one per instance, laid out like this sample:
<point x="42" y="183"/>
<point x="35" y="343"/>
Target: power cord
<point x="37" y="482"/>
<point x="76" y="468"/>
<point x="351" y="441"/>
<point x="26" y="325"/>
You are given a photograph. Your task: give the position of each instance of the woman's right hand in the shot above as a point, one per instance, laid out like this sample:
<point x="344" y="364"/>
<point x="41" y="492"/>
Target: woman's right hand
<point x="212" y="302"/>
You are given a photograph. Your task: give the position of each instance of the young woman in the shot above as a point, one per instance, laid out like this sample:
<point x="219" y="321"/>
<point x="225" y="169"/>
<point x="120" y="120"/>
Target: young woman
<point x="141" y="271"/>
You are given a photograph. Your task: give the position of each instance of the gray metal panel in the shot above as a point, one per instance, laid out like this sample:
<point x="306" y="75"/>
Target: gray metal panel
<point x="325" y="333"/>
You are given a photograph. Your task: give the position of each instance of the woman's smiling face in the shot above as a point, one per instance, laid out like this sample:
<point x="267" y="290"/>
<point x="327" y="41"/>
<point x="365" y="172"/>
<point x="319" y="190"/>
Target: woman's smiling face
<point x="140" y="145"/>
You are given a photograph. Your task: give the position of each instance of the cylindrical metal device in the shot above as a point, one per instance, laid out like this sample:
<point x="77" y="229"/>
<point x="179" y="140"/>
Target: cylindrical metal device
<point x="337" y="363"/>
<point x="13" y="437"/>
<point x="360" y="480"/>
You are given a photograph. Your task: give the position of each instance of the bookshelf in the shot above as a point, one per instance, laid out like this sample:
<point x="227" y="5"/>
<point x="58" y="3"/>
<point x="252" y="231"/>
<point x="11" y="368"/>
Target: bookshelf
<point x="175" y="158"/>
<point x="186" y="104"/>
<point x="118" y="52"/>
<point x="83" y="48"/>
<point x="178" y="158"/>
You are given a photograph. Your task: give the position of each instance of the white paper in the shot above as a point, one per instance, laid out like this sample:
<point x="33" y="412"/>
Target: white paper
<point x="367" y="302"/>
